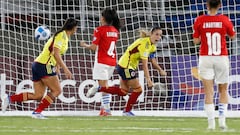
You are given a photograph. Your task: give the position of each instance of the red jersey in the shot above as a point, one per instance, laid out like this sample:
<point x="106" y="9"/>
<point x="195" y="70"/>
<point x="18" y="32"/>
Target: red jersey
<point x="212" y="31"/>
<point x="105" y="37"/>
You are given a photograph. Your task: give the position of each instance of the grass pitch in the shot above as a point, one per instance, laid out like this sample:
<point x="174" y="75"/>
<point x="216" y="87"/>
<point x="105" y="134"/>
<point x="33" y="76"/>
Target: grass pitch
<point x="112" y="126"/>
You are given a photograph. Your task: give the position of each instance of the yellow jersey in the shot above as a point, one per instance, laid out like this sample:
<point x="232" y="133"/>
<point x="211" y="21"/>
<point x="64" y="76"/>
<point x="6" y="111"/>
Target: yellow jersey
<point x="60" y="42"/>
<point x="140" y="49"/>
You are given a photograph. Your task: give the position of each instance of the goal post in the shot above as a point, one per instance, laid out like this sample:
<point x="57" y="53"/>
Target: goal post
<point x="180" y="93"/>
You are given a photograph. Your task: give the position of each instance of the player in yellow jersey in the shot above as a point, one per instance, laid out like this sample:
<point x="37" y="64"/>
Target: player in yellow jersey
<point x="45" y="68"/>
<point x="143" y="49"/>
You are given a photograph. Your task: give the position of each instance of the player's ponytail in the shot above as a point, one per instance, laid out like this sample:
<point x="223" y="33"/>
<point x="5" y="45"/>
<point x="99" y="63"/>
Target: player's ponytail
<point x="143" y="33"/>
<point x="111" y="18"/>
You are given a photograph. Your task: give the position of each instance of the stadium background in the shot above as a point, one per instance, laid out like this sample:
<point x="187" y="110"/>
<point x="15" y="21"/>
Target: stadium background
<point x="18" y="47"/>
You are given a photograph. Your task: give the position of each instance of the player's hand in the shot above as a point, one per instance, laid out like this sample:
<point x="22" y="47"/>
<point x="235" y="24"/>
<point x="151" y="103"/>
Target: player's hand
<point x="163" y="73"/>
<point x="82" y="44"/>
<point x="149" y="83"/>
<point x="68" y="74"/>
<point x="58" y="69"/>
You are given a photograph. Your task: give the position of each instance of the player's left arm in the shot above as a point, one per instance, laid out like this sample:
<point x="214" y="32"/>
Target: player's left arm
<point x="153" y="60"/>
<point x="230" y="29"/>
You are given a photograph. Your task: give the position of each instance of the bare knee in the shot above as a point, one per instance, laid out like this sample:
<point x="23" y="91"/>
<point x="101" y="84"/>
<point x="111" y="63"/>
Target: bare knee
<point x="138" y="89"/>
<point x="35" y="96"/>
<point x="56" y="93"/>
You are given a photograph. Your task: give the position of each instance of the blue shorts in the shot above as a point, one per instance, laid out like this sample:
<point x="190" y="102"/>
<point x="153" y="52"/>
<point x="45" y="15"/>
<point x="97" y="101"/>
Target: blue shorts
<point x="126" y="74"/>
<point x="40" y="71"/>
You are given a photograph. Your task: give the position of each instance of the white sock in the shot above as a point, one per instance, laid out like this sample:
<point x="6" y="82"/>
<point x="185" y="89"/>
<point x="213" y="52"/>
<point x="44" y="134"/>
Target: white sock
<point x="106" y="102"/>
<point x="210" y="111"/>
<point x="222" y="110"/>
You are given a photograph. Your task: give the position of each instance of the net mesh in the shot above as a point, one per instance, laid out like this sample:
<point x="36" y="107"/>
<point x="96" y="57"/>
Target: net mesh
<point x="176" y="53"/>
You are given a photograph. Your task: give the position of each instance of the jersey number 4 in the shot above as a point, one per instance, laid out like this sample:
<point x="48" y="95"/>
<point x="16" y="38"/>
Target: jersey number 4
<point x="111" y="48"/>
<point x="214" y="43"/>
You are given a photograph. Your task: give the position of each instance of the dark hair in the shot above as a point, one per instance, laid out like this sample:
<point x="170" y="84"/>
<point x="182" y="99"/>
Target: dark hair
<point x="111" y="18"/>
<point x="69" y="24"/>
<point x="213" y="3"/>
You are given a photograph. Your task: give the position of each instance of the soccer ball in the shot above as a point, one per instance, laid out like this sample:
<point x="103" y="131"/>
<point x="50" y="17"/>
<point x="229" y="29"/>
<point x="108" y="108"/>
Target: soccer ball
<point x="42" y="33"/>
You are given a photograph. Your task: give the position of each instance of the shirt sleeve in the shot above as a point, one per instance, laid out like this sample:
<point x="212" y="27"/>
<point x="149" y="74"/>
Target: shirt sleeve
<point x="59" y="40"/>
<point x="196" y="29"/>
<point x="153" y="52"/>
<point x="96" y="36"/>
<point x="230" y="28"/>
<point x="143" y="51"/>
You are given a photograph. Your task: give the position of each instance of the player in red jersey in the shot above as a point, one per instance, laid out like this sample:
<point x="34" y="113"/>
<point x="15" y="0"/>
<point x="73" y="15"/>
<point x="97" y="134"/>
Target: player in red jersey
<point x="104" y="43"/>
<point x="210" y="31"/>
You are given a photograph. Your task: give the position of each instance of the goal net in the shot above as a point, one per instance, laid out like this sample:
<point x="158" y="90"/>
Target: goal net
<point x="180" y="93"/>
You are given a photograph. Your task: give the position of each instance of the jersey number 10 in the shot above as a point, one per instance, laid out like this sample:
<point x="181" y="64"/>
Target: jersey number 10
<point x="214" y="43"/>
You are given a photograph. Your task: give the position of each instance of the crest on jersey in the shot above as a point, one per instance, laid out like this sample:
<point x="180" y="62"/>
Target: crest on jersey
<point x="94" y="38"/>
<point x="133" y="74"/>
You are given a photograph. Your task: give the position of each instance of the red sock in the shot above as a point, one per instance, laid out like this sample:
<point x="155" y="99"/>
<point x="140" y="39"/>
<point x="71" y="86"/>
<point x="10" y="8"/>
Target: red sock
<point x="113" y="90"/>
<point x="46" y="101"/>
<point x="19" y="97"/>
<point x="132" y="100"/>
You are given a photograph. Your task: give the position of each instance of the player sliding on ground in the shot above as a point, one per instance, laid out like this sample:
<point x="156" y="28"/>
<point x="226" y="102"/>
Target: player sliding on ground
<point x="45" y="69"/>
<point x="142" y="49"/>
<point x="210" y="30"/>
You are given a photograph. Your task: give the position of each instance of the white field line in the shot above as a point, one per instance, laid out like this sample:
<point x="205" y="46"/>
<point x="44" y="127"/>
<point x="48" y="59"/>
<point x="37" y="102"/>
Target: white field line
<point x="9" y="129"/>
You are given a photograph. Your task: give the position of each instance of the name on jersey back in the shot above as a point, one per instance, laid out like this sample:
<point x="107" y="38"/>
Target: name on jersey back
<point x="112" y="34"/>
<point x="212" y="25"/>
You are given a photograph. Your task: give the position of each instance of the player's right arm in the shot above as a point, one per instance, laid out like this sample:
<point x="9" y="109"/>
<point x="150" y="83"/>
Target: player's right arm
<point x="144" y="57"/>
<point x="92" y="47"/>
<point x="196" y="34"/>
<point x="95" y="42"/>
<point x="61" y="63"/>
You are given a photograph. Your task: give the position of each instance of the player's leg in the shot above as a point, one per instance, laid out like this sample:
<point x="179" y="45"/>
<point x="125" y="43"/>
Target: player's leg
<point x="123" y="89"/>
<point x="206" y="72"/>
<point x="39" y="90"/>
<point x="209" y="105"/>
<point x="222" y="77"/>
<point x="52" y="82"/>
<point x="38" y="71"/>
<point x="105" y="101"/>
<point x="113" y="89"/>
<point x="102" y="73"/>
<point x="223" y="104"/>
<point x="136" y="91"/>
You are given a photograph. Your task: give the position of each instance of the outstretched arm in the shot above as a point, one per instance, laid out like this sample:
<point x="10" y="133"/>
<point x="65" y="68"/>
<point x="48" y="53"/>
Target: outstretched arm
<point x="92" y="47"/>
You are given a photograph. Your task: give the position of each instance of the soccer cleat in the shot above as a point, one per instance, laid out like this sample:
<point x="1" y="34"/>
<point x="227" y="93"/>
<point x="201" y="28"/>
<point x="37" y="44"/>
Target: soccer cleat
<point x="128" y="113"/>
<point x="211" y="124"/>
<point x="92" y="91"/>
<point x="104" y="112"/>
<point x="5" y="103"/>
<point x="37" y="115"/>
<point x="222" y="123"/>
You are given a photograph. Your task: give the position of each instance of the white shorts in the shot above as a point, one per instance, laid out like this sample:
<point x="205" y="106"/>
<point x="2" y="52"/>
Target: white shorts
<point x="214" y="68"/>
<point x="102" y="71"/>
